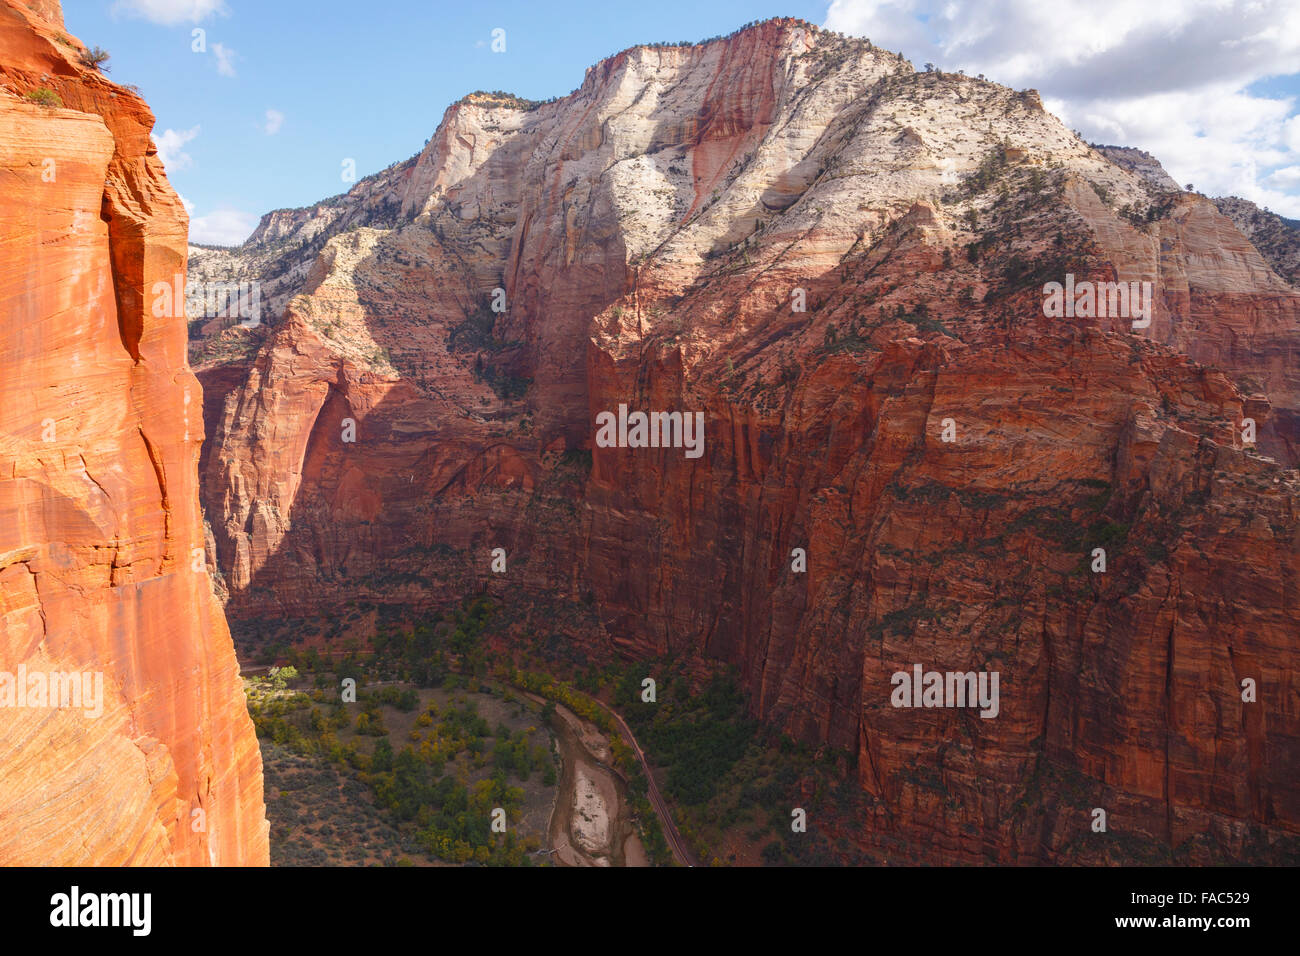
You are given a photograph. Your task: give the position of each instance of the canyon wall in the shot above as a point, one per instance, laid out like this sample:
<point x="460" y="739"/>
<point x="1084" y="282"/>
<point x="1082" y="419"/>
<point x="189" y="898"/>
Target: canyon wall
<point x="101" y="536"/>
<point x="1278" y="239"/>
<point x="840" y="262"/>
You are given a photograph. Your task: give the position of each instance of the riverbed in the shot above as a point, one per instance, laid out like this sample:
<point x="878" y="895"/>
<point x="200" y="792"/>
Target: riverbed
<point x="590" y="823"/>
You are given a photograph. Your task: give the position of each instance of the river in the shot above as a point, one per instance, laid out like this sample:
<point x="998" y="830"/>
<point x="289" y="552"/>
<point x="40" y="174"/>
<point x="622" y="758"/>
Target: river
<point x="591" y="824"/>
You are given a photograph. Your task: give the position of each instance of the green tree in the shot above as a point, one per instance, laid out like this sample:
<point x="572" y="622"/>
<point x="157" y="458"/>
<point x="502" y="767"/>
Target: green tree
<point x="382" y="760"/>
<point x="280" y="676"/>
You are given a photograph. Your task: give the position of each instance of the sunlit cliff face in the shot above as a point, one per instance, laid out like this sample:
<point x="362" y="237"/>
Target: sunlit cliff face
<point x="123" y="733"/>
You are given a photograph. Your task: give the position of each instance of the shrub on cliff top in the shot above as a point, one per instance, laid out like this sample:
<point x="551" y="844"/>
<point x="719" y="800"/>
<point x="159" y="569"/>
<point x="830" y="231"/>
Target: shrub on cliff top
<point x="500" y="98"/>
<point x="96" y="58"/>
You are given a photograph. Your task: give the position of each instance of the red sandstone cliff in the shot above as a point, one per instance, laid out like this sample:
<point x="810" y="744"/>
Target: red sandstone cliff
<point x="99" y="512"/>
<point x="649" y="232"/>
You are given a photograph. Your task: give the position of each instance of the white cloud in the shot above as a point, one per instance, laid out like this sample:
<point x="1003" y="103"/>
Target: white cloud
<point x="169" y="148"/>
<point x="274" y="120"/>
<point x="1292" y="134"/>
<point x="1171" y="78"/>
<point x="168" y="13"/>
<point x="1286" y="179"/>
<point x="222" y="227"/>
<point x="225" y="59"/>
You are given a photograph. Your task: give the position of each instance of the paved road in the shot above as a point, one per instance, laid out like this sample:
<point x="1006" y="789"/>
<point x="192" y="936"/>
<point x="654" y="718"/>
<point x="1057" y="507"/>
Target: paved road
<point x="675" y="842"/>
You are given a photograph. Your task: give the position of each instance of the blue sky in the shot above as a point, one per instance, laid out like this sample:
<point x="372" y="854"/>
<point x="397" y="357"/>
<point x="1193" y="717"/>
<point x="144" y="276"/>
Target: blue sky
<point x="285" y="90"/>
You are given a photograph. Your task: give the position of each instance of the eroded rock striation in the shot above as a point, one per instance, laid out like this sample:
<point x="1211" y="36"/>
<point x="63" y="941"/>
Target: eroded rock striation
<point x="101" y="539"/>
<point x="841" y="262"/>
<point x="1276" y="238"/>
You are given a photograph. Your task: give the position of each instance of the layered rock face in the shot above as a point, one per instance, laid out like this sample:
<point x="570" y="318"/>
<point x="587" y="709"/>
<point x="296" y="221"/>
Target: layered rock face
<point x="101" y="540"/>
<point x="840" y="262"/>
<point x="1277" y="239"/>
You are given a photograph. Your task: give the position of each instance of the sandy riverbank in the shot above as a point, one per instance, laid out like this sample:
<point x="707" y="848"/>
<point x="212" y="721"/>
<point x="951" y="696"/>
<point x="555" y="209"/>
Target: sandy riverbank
<point x="590" y="825"/>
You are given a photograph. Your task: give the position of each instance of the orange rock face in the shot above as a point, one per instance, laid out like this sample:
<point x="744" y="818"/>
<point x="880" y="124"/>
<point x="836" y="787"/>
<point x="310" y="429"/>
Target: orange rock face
<point x="841" y="263"/>
<point x="101" y="538"/>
